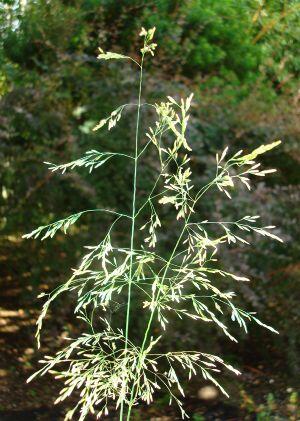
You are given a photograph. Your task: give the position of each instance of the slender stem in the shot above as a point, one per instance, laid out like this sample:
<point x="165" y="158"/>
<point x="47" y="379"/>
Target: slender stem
<point x="198" y="196"/>
<point x="170" y="260"/>
<point x="144" y="148"/>
<point x="133" y="217"/>
<point x="134" y="389"/>
<point x="133" y="392"/>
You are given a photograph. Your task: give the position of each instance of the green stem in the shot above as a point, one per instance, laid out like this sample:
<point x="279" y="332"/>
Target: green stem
<point x="133" y="217"/>
<point x="134" y="388"/>
<point x="133" y="392"/>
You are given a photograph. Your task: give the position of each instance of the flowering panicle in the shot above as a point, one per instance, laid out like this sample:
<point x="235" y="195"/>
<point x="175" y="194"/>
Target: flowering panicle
<point x="107" y="366"/>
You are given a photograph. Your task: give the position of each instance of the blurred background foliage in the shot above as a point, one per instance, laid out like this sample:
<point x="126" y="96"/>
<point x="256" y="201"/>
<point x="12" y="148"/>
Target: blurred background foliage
<point x="240" y="58"/>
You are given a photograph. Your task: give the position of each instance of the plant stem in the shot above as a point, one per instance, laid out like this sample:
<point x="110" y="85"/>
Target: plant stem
<point x="198" y="196"/>
<point x="133" y="217"/>
<point x="150" y="322"/>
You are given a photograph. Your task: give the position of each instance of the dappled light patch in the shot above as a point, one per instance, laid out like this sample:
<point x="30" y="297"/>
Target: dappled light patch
<point x="208" y="393"/>
<point x="3" y="373"/>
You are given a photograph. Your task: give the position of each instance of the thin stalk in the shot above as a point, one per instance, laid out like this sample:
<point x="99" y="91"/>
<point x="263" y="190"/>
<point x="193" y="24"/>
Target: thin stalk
<point x="198" y="196"/>
<point x="133" y="216"/>
<point x="133" y="392"/>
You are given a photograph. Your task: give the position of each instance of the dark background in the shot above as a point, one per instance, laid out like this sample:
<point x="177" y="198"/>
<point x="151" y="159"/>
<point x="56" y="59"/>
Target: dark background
<point x="241" y="59"/>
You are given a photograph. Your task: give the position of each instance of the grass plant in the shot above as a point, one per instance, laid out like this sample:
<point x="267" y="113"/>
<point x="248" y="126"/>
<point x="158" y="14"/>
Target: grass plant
<point x="107" y="366"/>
